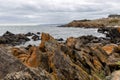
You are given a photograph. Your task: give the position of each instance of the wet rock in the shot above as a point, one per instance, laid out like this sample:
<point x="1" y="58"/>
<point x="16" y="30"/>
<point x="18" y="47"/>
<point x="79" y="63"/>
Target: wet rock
<point x="7" y="33"/>
<point x="29" y="34"/>
<point x="60" y="39"/>
<point x="112" y="33"/>
<point x="28" y="47"/>
<point x="38" y="33"/>
<point x="103" y="30"/>
<point x="36" y="37"/>
<point x="13" y="39"/>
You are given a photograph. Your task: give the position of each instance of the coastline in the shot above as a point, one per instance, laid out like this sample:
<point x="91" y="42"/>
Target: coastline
<point x="110" y="21"/>
<point x="86" y="56"/>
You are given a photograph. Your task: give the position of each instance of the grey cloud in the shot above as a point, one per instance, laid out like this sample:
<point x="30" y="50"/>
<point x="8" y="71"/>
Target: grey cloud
<point x="59" y="11"/>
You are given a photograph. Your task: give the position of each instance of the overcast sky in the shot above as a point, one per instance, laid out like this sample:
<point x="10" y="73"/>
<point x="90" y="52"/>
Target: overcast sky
<point x="55" y="11"/>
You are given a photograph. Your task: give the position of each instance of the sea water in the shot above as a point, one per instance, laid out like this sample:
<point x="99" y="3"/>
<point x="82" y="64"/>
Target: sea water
<point x="56" y="32"/>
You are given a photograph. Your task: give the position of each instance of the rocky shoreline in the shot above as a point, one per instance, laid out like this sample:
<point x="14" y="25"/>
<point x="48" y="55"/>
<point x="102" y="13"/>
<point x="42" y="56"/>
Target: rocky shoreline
<point x="12" y="39"/>
<point x="110" y="21"/>
<point x="82" y="58"/>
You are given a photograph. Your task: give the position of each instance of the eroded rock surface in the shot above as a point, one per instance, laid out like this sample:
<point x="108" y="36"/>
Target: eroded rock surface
<point x="82" y="58"/>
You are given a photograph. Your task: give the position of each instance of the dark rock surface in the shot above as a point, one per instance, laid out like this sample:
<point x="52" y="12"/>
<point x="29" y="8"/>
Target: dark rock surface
<point x="29" y="34"/>
<point x="13" y="39"/>
<point x="38" y="33"/>
<point x="112" y="33"/>
<point x="60" y="39"/>
<point x="35" y="37"/>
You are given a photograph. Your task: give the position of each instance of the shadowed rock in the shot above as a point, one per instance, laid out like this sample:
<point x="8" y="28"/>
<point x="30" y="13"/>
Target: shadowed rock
<point x="13" y="39"/>
<point x="36" y="37"/>
<point x="113" y="34"/>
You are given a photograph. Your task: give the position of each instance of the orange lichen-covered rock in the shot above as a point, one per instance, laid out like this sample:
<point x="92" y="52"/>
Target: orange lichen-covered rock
<point x="62" y="65"/>
<point x="97" y="63"/>
<point x="28" y="58"/>
<point x="32" y="60"/>
<point x="17" y="51"/>
<point x="71" y="42"/>
<point x="20" y="54"/>
<point x="109" y="48"/>
<point x="44" y="37"/>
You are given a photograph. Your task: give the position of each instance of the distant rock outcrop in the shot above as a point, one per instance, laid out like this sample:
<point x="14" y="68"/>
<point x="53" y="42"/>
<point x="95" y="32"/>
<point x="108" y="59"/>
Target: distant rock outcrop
<point x="110" y="21"/>
<point x="84" y="23"/>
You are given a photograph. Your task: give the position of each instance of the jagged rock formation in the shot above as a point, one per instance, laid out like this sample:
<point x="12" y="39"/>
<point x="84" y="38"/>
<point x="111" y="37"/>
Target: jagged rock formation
<point x="82" y="58"/>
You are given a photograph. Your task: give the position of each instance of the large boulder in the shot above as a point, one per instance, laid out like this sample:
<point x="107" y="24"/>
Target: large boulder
<point x="44" y="38"/>
<point x="29" y="34"/>
<point x="13" y="39"/>
<point x="7" y="33"/>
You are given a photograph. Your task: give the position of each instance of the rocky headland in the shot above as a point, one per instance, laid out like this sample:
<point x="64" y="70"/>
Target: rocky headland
<point x="82" y="58"/>
<point x="110" y="21"/>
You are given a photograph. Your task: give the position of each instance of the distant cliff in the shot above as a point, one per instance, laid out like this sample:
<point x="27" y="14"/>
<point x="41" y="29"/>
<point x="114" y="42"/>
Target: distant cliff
<point x="110" y="21"/>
